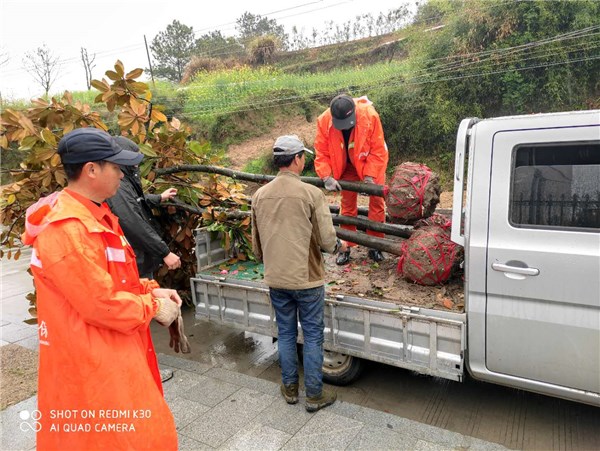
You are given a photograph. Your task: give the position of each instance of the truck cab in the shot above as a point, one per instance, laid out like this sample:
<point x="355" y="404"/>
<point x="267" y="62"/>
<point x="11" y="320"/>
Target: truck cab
<point x="530" y="227"/>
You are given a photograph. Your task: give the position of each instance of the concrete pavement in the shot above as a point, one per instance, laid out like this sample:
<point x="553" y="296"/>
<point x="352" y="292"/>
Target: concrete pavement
<point x="217" y="408"/>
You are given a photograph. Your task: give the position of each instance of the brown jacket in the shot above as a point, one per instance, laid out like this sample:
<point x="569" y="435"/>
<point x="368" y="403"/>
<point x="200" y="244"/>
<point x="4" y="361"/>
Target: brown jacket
<point x="291" y="226"/>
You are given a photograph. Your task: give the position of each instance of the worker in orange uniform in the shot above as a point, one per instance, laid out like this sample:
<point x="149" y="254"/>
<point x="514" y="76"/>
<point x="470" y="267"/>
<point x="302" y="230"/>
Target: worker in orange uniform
<point x="350" y="146"/>
<point x="99" y="384"/>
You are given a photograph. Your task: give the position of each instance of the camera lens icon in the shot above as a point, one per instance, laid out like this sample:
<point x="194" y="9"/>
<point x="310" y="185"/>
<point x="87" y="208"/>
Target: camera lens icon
<point x="30" y="420"/>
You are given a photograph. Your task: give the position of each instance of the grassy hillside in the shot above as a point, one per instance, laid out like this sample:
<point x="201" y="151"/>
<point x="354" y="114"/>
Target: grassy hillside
<point x="472" y="58"/>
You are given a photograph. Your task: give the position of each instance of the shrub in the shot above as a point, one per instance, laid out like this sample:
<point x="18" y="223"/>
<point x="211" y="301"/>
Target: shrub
<point x="262" y="50"/>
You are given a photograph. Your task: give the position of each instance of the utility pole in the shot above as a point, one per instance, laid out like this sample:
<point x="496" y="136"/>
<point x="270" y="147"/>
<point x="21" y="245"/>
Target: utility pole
<point x="149" y="62"/>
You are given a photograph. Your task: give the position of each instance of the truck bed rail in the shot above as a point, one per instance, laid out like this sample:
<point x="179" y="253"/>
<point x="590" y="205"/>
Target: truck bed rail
<point x="427" y="341"/>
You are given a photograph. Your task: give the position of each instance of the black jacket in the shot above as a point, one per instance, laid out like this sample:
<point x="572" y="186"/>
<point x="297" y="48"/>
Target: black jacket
<point x="134" y="210"/>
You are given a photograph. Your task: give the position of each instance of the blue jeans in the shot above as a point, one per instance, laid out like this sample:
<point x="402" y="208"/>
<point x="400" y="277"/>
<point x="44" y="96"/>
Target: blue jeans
<point x="306" y="305"/>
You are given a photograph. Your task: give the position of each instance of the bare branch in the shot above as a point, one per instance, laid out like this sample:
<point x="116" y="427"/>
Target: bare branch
<point x="88" y="65"/>
<point x="43" y="66"/>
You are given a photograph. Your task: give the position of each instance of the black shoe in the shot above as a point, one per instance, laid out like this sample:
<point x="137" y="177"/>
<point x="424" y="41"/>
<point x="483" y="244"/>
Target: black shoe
<point x="343" y="258"/>
<point x="376" y="255"/>
<point x="165" y="375"/>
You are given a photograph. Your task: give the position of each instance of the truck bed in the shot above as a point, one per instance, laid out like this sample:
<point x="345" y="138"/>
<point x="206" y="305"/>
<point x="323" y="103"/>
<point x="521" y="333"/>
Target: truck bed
<point x="362" y="320"/>
<point x="364" y="279"/>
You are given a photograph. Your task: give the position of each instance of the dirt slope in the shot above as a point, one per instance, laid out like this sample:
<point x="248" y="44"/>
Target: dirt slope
<point x="241" y="154"/>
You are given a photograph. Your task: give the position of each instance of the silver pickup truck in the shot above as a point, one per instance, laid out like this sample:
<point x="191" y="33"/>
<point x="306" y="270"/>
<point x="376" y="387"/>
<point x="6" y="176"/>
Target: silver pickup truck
<point x="527" y="212"/>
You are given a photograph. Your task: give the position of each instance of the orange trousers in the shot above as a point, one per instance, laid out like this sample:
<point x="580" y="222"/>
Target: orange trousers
<point x="350" y="202"/>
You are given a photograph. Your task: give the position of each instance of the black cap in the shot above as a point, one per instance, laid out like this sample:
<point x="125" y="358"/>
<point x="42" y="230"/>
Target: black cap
<point x="127" y="144"/>
<point x="92" y="144"/>
<point x="343" y="112"/>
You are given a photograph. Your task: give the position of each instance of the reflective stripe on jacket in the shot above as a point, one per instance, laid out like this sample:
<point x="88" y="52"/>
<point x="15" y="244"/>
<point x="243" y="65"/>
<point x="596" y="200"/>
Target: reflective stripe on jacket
<point x="99" y="385"/>
<point x="369" y="155"/>
<point x="291" y="225"/>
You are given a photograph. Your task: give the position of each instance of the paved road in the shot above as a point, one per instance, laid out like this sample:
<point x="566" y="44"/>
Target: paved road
<point x="509" y="417"/>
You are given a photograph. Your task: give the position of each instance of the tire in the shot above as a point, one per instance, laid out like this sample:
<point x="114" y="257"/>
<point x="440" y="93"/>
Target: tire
<point x="341" y="369"/>
<point x="338" y="369"/>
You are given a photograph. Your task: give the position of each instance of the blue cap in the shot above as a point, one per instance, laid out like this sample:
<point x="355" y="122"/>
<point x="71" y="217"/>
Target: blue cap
<point x="92" y="144"/>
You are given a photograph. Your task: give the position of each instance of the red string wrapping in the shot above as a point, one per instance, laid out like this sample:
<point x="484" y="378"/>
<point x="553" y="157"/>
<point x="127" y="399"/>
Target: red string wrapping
<point x="428" y="256"/>
<point x="412" y="194"/>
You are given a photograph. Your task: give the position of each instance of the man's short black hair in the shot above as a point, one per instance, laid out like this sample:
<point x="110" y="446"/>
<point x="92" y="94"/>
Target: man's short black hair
<point x="283" y="161"/>
<point x="73" y="170"/>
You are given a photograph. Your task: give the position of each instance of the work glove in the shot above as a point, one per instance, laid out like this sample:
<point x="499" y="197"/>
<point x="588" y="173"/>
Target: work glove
<point x="369" y="179"/>
<point x="331" y="184"/>
<point x="179" y="341"/>
<point x="167" y="312"/>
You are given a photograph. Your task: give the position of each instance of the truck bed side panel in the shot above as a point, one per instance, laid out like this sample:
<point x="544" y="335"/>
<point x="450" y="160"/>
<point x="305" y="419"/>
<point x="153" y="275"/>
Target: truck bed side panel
<point x="423" y="340"/>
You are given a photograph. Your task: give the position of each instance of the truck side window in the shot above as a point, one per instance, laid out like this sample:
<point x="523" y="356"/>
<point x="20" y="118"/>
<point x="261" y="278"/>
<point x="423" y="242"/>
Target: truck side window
<point x="556" y="186"/>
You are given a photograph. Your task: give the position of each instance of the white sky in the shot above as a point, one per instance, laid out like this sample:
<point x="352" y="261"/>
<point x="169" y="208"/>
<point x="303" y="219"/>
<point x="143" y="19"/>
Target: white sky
<point x="115" y="29"/>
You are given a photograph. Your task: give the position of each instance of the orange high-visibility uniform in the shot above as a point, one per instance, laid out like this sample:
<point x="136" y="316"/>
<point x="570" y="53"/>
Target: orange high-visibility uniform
<point x="367" y="155"/>
<point x="99" y="383"/>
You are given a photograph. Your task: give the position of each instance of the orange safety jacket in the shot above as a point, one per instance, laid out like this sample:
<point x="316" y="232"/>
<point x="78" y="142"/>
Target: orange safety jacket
<point x="367" y="149"/>
<point x="99" y="383"/>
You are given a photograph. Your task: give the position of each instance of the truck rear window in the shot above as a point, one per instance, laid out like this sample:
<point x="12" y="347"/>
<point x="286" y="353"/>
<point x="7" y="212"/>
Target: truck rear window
<point x="556" y="186"/>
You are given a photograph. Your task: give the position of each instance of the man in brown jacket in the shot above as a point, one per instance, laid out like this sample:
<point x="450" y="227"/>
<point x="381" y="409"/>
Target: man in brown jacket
<point x="291" y="226"/>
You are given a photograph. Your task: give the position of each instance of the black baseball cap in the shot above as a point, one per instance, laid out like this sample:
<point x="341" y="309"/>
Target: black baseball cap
<point x="343" y="112"/>
<point x="92" y="144"/>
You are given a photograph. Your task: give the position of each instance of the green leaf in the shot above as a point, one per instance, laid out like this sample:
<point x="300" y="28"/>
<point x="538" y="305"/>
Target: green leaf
<point x="197" y="148"/>
<point x="147" y="150"/>
<point x="28" y="142"/>
<point x="145" y="169"/>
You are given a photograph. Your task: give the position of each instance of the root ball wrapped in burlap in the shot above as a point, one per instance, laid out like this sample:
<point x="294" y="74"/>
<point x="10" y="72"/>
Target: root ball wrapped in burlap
<point x="412" y="194"/>
<point x="428" y="256"/>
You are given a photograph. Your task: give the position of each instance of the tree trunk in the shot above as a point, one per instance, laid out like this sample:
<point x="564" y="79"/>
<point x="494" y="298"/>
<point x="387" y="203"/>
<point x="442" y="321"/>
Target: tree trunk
<point x="382" y="244"/>
<point x="361" y="223"/>
<point x="362" y="188"/>
<point x="362" y="211"/>
<point x="364" y="224"/>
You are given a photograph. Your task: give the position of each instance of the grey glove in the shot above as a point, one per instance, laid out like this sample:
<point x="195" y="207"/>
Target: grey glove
<point x="179" y="341"/>
<point x="167" y="312"/>
<point x="331" y="184"/>
<point x="369" y="179"/>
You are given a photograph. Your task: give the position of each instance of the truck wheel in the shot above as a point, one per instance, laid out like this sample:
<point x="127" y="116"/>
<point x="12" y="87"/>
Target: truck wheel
<point x="341" y="369"/>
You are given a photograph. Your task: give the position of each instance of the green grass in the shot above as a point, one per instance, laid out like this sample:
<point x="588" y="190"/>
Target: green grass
<point x="242" y="89"/>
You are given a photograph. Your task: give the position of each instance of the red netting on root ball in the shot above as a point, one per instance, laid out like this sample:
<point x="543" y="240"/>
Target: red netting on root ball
<point x="428" y="256"/>
<point x="413" y="193"/>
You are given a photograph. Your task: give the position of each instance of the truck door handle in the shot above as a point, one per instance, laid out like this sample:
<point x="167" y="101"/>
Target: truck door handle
<point x="515" y="269"/>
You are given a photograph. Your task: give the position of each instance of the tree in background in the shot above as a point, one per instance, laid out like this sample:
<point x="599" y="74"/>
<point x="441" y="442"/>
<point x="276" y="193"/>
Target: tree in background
<point x="88" y="65"/>
<point x="172" y="50"/>
<point x="43" y="66"/>
<point x="251" y="26"/>
<point x="214" y="45"/>
<point x="491" y="58"/>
